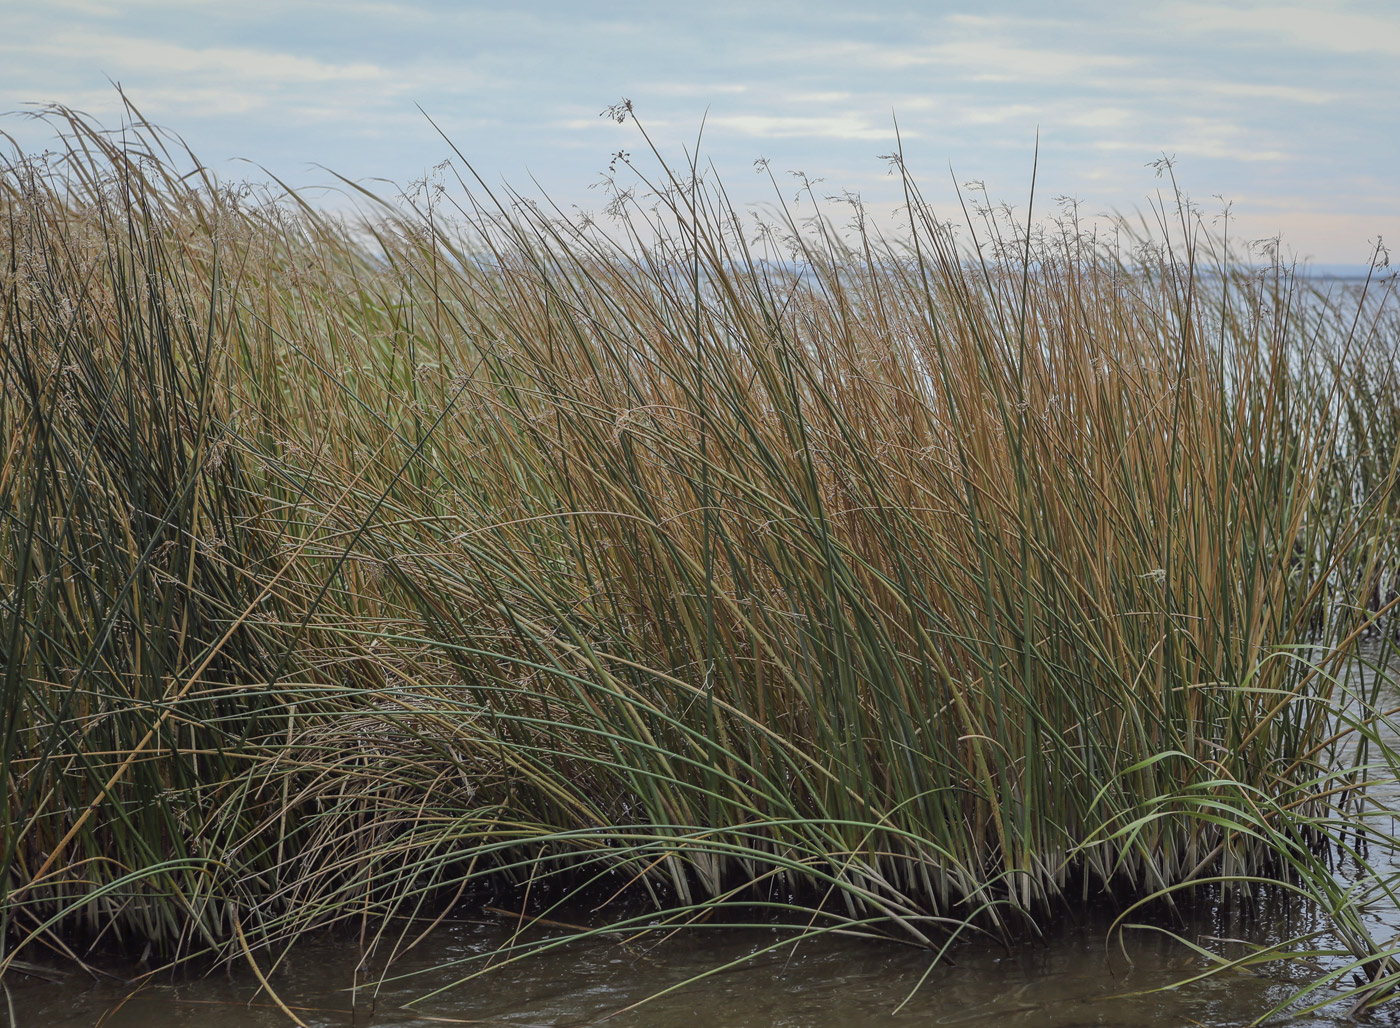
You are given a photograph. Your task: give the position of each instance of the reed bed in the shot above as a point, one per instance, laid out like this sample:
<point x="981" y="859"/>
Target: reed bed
<point x="911" y="586"/>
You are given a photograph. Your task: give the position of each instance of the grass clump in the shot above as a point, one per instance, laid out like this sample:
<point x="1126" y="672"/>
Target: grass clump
<point x="901" y="585"/>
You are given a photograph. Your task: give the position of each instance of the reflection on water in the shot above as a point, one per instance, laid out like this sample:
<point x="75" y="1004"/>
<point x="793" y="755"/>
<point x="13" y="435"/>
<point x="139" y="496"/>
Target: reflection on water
<point x="1075" y="977"/>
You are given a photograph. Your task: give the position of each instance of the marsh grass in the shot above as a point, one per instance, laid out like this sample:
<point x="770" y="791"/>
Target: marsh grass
<point x="908" y="587"/>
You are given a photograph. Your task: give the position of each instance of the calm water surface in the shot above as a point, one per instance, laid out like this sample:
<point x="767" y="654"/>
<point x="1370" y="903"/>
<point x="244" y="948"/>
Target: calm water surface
<point x="1073" y="979"/>
<point x="1068" y="981"/>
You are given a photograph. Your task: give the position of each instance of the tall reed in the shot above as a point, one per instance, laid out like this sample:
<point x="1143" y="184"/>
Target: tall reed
<point x="907" y="585"/>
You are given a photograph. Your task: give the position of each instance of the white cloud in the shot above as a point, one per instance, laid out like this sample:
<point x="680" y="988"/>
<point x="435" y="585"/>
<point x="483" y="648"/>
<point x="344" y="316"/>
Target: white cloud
<point x="829" y="97"/>
<point x="1271" y="91"/>
<point x="595" y="123"/>
<point x="223" y="63"/>
<point x="1198" y="89"/>
<point x="986" y="60"/>
<point x="700" y="89"/>
<point x="997" y="21"/>
<point x="777" y="126"/>
<point x="1317" y="27"/>
<point x="172" y="80"/>
<point x="1101" y="117"/>
<point x="993" y="61"/>
<point x="1193" y="148"/>
<point x="94" y="7"/>
<point x="994" y="115"/>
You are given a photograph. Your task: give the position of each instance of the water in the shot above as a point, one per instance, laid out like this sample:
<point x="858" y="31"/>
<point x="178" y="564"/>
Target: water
<point x="1078" y="976"/>
<point x="1074" y="979"/>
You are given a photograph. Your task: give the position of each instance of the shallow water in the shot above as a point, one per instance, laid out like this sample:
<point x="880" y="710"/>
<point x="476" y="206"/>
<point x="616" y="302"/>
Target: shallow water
<point x="1075" y="978"/>
<point x="1078" y="976"/>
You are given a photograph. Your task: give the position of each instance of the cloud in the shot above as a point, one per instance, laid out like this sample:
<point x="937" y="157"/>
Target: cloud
<point x="1101" y="117"/>
<point x="168" y="79"/>
<point x="1192" y="148"/>
<point x="594" y="123"/>
<point x="778" y="126"/>
<point x="222" y="63"/>
<point x="1269" y="91"/>
<point x="985" y="60"/>
<point x="92" y="7"/>
<point x="994" y="61"/>
<point x="1199" y="88"/>
<point x="994" y="115"/>
<point x="1318" y="27"/>
<point x="700" y="89"/>
<point x="1201" y="137"/>
<point x="1000" y="21"/>
<point x="817" y="97"/>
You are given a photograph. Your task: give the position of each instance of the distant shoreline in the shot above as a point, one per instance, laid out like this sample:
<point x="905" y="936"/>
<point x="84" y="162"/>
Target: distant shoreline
<point x="1342" y="272"/>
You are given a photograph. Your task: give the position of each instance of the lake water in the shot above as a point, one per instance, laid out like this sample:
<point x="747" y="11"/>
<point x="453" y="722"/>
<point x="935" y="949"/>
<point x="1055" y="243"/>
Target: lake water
<point x="1074" y="978"/>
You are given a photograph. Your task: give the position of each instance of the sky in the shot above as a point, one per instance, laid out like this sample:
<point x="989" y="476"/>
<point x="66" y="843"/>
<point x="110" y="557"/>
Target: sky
<point x="1288" y="112"/>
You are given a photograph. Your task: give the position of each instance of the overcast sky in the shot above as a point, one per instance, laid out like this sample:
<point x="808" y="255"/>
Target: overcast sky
<point x="1290" y="111"/>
